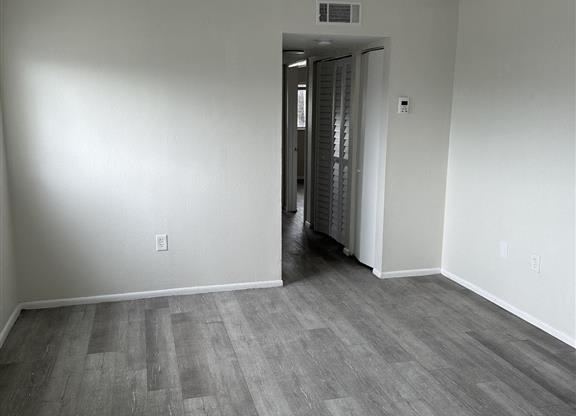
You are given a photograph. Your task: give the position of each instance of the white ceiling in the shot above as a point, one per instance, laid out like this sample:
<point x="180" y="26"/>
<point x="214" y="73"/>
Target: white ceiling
<point x="309" y="43"/>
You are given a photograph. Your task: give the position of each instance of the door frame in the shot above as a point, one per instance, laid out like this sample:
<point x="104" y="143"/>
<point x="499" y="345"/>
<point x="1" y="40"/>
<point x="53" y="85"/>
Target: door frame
<point x="290" y="180"/>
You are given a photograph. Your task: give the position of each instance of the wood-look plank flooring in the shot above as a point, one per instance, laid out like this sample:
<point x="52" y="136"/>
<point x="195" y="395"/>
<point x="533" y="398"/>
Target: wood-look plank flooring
<point x="334" y="341"/>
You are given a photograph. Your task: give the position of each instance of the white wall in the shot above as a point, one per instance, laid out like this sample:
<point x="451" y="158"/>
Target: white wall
<point x="511" y="163"/>
<point x="125" y="119"/>
<point x="128" y="118"/>
<point x="8" y="289"/>
<point x="8" y="293"/>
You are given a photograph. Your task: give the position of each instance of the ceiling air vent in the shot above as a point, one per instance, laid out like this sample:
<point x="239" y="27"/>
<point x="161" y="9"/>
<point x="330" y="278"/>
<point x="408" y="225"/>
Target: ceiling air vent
<point x="338" y="12"/>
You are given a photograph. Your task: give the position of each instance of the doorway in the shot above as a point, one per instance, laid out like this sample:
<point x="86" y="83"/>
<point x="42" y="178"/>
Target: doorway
<point x="334" y="128"/>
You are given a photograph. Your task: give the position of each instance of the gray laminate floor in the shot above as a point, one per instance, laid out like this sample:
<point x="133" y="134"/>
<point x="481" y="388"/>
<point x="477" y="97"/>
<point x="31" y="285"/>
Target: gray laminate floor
<point x="334" y="341"/>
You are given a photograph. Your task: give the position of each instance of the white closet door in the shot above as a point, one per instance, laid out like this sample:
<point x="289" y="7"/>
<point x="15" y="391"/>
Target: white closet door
<point x="371" y="137"/>
<point x="333" y="144"/>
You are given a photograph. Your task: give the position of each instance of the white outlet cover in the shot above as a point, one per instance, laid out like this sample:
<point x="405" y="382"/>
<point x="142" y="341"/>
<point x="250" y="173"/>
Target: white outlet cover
<point x="535" y="263"/>
<point x="161" y="242"/>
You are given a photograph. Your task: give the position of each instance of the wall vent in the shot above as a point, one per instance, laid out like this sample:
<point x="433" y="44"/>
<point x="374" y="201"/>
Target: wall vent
<point x="338" y="12"/>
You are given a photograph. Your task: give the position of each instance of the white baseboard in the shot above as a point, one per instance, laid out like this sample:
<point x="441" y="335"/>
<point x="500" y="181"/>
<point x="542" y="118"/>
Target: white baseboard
<point x="9" y="324"/>
<point x="512" y="309"/>
<point x="405" y="273"/>
<point x="53" y="303"/>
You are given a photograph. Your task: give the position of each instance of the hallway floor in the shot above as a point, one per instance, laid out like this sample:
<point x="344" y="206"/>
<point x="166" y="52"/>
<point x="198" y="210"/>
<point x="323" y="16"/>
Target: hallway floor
<point x="334" y="341"/>
<point x="301" y="243"/>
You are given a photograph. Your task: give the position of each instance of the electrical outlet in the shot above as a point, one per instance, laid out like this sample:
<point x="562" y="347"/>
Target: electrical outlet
<point x="503" y="249"/>
<point x="161" y="242"/>
<point x="535" y="263"/>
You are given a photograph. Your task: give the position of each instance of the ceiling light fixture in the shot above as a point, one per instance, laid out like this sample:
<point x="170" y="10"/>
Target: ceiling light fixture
<point x="299" y="64"/>
<point x="324" y="42"/>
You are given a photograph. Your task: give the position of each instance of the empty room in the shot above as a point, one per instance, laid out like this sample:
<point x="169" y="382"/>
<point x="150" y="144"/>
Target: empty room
<point x="288" y="207"/>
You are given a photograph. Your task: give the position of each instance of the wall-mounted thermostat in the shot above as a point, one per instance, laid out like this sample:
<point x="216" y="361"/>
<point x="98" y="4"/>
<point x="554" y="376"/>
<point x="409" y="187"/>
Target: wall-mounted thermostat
<point x="403" y="105"/>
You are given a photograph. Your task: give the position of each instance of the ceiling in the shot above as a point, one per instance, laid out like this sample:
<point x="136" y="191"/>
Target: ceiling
<point x="309" y="43"/>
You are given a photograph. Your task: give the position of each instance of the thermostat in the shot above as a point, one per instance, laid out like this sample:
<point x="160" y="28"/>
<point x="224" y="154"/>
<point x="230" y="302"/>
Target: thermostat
<point x="403" y="105"/>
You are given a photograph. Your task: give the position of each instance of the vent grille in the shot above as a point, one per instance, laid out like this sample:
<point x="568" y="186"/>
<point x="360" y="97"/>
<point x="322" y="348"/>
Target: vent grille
<point x="338" y="12"/>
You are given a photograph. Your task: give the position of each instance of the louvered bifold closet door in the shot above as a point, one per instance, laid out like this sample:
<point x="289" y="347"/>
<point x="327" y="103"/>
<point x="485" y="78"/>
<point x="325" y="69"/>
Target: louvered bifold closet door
<point x="340" y="194"/>
<point x="324" y="140"/>
<point x="333" y="148"/>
